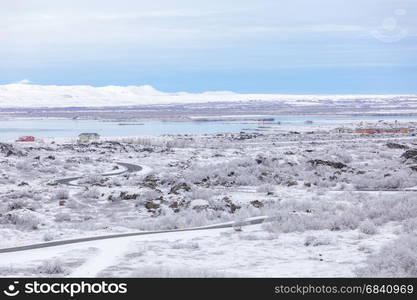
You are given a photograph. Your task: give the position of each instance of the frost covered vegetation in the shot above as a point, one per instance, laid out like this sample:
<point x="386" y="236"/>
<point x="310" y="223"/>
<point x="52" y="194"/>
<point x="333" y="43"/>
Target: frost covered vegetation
<point x="316" y="187"/>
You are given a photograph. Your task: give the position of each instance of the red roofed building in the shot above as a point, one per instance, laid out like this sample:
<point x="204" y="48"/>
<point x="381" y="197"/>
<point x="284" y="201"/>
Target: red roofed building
<point x="27" y="138"/>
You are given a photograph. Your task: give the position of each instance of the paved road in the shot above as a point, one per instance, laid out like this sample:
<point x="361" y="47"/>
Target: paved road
<point x="252" y="221"/>
<point x="130" y="168"/>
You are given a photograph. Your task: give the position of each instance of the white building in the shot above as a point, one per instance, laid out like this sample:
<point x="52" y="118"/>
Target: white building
<point x="88" y="137"/>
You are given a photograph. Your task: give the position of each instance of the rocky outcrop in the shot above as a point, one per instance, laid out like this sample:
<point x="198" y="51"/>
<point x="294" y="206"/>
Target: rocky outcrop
<point x="410" y="154"/>
<point x="396" y="146"/>
<point x="336" y="165"/>
<point x="9" y="150"/>
<point x="181" y="186"/>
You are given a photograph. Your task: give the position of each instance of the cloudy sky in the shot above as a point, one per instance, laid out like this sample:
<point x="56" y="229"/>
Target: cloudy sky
<point x="268" y="46"/>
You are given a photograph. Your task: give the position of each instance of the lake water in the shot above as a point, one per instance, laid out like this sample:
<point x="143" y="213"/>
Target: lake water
<point x="47" y="128"/>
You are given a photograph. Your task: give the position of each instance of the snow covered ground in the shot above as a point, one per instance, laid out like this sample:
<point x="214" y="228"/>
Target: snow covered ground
<point x="342" y="204"/>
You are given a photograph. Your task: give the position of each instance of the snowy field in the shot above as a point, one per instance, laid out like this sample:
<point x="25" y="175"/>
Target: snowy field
<point x="342" y="205"/>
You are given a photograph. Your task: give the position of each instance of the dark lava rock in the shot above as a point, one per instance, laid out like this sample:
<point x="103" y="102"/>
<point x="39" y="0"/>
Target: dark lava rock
<point x="257" y="203"/>
<point x="410" y="154"/>
<point x="396" y="146"/>
<point x="230" y="205"/>
<point x="126" y="196"/>
<point x="9" y="150"/>
<point x="181" y="186"/>
<point x="336" y="165"/>
<point x="150" y="205"/>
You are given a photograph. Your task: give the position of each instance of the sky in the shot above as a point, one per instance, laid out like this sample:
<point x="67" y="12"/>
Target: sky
<point x="246" y="46"/>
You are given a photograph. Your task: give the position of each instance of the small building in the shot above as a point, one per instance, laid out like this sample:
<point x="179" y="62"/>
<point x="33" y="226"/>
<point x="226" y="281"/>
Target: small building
<point x="88" y="137"/>
<point x="343" y="130"/>
<point x="26" y="138"/>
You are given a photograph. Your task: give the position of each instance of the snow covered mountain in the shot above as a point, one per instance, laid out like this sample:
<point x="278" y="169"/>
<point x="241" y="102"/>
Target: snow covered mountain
<point x="18" y="95"/>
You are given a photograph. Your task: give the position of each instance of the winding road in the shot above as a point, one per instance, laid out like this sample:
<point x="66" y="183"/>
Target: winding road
<point x="130" y="168"/>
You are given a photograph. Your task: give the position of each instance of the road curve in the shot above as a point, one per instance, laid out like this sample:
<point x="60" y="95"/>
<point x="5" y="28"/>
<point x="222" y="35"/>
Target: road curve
<point x="251" y="221"/>
<point x="130" y="168"/>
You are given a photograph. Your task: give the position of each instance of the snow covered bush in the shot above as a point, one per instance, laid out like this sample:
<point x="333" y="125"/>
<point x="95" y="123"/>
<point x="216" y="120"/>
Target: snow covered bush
<point x="49" y="169"/>
<point x="62" y="217"/>
<point x="176" y="272"/>
<point x="200" y="193"/>
<point x="397" y="259"/>
<point x="48" y="236"/>
<point x="91" y="193"/>
<point x="410" y="225"/>
<point x="257" y="236"/>
<point x="265" y="188"/>
<point x="16" y="204"/>
<point x="24" y="165"/>
<point x="61" y="194"/>
<point x="54" y="267"/>
<point x="316" y="241"/>
<point x="187" y="245"/>
<point x="115" y="181"/>
<point x="23" y="218"/>
<point x="149" y="195"/>
<point x="91" y="179"/>
<point x="368" y="227"/>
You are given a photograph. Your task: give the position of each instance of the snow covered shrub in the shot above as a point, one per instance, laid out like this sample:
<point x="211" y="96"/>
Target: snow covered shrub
<point x="24" y="218"/>
<point x="69" y="166"/>
<point x="188" y="245"/>
<point x="24" y="165"/>
<point x="247" y="179"/>
<point x="149" y="195"/>
<point x="349" y="219"/>
<point x="316" y="241"/>
<point x="49" y="170"/>
<point x="397" y="259"/>
<point x="265" y="188"/>
<point x="92" y="193"/>
<point x="21" y="193"/>
<point x="344" y="157"/>
<point x="53" y="267"/>
<point x="62" y="217"/>
<point x="410" y="225"/>
<point x="393" y="208"/>
<point x="61" y="194"/>
<point x="184" y="219"/>
<point x="293" y="222"/>
<point x="176" y="272"/>
<point x="257" y="236"/>
<point x="48" y="236"/>
<point x="91" y="179"/>
<point x="16" y="204"/>
<point x="368" y="227"/>
<point x="385" y="154"/>
<point x="115" y="181"/>
<point x="200" y="193"/>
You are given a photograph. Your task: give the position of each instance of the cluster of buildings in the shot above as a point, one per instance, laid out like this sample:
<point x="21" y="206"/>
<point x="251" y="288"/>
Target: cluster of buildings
<point x="372" y="130"/>
<point x="382" y="130"/>
<point x="82" y="138"/>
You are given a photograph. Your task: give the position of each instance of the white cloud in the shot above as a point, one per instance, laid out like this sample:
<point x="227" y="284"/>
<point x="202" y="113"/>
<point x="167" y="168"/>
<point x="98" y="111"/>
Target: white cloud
<point x="46" y="31"/>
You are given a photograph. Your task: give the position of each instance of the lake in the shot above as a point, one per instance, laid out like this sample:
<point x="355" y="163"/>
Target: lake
<point x="50" y="128"/>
